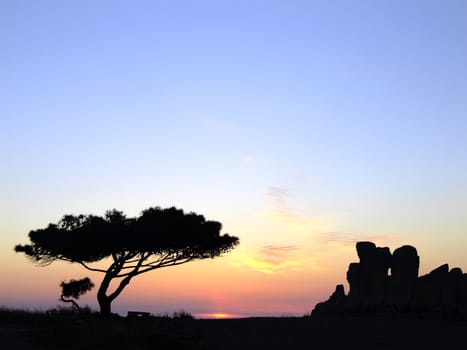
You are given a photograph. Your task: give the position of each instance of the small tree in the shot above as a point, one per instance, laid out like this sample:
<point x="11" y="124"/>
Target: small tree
<point x="157" y="238"/>
<point x="74" y="289"/>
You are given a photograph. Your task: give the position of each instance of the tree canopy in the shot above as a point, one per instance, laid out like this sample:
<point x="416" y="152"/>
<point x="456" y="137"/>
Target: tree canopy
<point x="155" y="239"/>
<point x="74" y="289"/>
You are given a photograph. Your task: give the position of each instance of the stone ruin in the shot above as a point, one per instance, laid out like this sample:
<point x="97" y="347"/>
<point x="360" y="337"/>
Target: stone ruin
<point x="373" y="290"/>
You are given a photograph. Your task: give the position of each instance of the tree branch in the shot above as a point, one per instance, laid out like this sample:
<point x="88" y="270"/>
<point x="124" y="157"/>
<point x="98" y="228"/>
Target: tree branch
<point x="129" y="276"/>
<point x="75" y="304"/>
<point x="172" y="262"/>
<point x="91" y="268"/>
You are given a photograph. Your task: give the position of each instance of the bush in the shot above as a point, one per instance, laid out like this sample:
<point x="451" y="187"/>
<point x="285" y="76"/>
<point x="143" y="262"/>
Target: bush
<point x="182" y="314"/>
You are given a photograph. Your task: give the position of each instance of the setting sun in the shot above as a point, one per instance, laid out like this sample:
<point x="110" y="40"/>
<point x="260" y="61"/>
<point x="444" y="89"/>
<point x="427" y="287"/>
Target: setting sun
<point x="219" y="315"/>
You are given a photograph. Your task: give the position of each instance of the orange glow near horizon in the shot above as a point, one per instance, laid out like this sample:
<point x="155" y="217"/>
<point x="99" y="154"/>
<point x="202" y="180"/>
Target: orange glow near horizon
<point x="219" y="315"/>
<point x="269" y="280"/>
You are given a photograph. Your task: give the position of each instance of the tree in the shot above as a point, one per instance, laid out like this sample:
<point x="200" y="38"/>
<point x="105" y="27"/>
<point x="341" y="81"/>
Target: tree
<point x="74" y="289"/>
<point x="157" y="238"/>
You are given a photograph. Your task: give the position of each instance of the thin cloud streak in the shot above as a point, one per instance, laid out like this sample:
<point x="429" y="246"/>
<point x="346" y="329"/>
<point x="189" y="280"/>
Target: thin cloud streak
<point x="278" y="193"/>
<point x="350" y="239"/>
<point x="248" y="159"/>
<point x="276" y="255"/>
<point x="272" y="260"/>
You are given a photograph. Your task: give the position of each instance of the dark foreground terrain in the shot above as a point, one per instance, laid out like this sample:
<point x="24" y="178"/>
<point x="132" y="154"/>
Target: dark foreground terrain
<point x="90" y="332"/>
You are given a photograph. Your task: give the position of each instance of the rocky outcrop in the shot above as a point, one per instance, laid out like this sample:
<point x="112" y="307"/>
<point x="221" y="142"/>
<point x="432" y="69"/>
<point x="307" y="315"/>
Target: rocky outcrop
<point x="368" y="278"/>
<point x="403" y="280"/>
<point x="373" y="289"/>
<point x="335" y="304"/>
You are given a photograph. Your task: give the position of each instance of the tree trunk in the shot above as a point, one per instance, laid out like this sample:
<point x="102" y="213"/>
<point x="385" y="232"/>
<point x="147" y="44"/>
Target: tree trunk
<point x="102" y="298"/>
<point x="104" y="305"/>
<point x="75" y="304"/>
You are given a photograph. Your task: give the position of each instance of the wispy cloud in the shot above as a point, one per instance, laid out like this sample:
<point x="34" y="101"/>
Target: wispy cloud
<point x="337" y="237"/>
<point x="318" y="231"/>
<point x="272" y="260"/>
<point x="350" y="239"/>
<point x="276" y="255"/>
<point x="278" y="193"/>
<point x="248" y="159"/>
<point x="280" y="210"/>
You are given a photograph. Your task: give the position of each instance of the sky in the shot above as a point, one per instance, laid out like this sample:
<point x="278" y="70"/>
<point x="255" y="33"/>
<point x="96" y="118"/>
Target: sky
<point x="302" y="126"/>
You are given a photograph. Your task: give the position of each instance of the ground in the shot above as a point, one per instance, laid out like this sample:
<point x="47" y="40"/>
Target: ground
<point x="254" y="333"/>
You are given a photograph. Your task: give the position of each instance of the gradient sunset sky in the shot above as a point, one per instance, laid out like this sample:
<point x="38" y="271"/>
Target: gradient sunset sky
<point x="302" y="126"/>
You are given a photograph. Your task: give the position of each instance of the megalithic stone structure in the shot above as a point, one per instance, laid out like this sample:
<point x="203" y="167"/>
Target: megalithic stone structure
<point x="373" y="289"/>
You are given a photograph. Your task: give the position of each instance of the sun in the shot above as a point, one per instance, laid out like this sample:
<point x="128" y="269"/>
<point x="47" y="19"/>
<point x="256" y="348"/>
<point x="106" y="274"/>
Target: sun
<point x="217" y="315"/>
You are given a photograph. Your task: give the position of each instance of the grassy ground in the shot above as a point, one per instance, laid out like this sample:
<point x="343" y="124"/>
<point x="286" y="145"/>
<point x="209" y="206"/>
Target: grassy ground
<point x="63" y="329"/>
<point x="33" y="330"/>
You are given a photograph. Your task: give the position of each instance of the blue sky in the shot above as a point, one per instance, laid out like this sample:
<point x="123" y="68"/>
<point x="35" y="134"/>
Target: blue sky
<point x="350" y="117"/>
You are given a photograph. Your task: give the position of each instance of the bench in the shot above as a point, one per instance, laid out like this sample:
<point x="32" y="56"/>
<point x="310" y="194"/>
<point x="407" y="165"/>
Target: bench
<point x="137" y="314"/>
